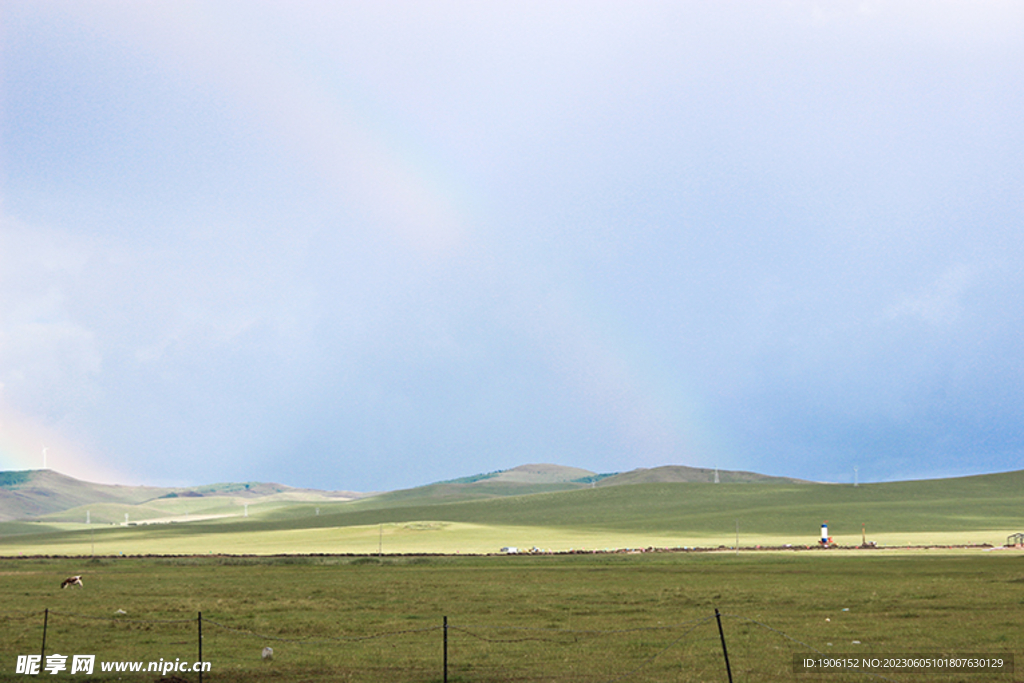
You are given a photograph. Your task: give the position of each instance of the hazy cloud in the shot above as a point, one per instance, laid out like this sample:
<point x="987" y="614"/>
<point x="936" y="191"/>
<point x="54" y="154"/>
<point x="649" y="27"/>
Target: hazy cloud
<point x="371" y="245"/>
<point x="939" y="304"/>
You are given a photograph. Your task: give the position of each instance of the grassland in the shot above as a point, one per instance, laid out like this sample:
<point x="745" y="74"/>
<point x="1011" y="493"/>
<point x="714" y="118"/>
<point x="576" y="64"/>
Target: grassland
<point x="645" y="617"/>
<point x="970" y="510"/>
<point x="591" y="617"/>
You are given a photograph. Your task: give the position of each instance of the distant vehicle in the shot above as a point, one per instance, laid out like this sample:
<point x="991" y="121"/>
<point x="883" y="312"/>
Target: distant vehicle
<point x="510" y="550"/>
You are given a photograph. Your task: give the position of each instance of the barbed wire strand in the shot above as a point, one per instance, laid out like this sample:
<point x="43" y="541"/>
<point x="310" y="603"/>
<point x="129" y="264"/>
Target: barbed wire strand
<point x="505" y="640"/>
<point x="352" y="639"/>
<point x="24" y="633"/>
<point x="568" y="631"/>
<point x="800" y="642"/>
<point x="8" y="616"/>
<point x="124" y="619"/>
<point x="660" y="652"/>
<point x="580" y="631"/>
<point x="693" y="624"/>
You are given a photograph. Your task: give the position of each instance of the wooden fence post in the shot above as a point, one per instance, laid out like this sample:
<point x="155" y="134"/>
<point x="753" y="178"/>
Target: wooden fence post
<point x="46" y="618"/>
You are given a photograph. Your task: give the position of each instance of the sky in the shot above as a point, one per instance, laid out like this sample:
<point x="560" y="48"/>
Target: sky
<point x="371" y="245"/>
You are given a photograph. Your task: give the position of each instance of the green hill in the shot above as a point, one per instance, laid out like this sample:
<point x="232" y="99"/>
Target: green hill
<point x="46" y="494"/>
<point x="679" y="473"/>
<point x="549" y="510"/>
<point x="518" y="481"/>
<point x="545" y="478"/>
<point x="968" y="509"/>
<point x="543" y="473"/>
<point x="32" y="494"/>
<point x="980" y="502"/>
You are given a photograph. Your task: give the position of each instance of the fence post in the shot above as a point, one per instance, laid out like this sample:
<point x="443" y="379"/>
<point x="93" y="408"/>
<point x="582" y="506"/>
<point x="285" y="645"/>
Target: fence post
<point x="200" y="647"/>
<point x="725" y="652"/>
<point x="46" y="618"/>
<point x="445" y="629"/>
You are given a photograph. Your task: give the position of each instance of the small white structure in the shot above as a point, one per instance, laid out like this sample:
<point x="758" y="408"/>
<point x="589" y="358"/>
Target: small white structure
<point x="825" y="539"/>
<point x="510" y="550"/>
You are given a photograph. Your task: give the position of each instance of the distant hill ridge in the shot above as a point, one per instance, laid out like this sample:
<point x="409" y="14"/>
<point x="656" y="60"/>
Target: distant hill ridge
<point x="542" y="473"/>
<point x="28" y="494"/>
<point x="680" y="473"/>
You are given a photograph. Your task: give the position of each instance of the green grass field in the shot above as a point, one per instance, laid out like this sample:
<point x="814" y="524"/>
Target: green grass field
<point x="970" y="510"/>
<point x="546" y="617"/>
<point x="646" y="617"/>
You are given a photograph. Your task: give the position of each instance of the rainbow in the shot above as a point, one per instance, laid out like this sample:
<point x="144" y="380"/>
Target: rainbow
<point x="405" y="197"/>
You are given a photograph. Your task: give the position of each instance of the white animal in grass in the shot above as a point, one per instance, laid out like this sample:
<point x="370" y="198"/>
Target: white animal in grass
<point x="72" y="581"/>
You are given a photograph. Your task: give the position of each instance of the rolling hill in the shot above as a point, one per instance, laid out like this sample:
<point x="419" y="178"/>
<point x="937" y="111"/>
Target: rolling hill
<point x="483" y="513"/>
<point x="30" y="494"/>
<point x="547" y="478"/>
<point x="679" y="473"/>
<point x="34" y="494"/>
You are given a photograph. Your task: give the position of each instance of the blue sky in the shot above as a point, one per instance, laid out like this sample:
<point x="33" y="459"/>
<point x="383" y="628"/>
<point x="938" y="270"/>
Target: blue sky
<point x="371" y="245"/>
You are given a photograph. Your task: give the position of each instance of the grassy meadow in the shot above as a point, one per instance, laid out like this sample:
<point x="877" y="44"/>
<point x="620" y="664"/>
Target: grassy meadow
<point x="642" y="617"/>
<point x="357" y="590"/>
<point x="965" y="511"/>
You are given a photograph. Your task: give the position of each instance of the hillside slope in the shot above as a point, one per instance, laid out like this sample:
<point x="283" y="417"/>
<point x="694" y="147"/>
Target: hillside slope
<point x="993" y="501"/>
<point x="546" y="478"/>
<point x="543" y="473"/>
<point x="975" y="509"/>
<point x="30" y="494"/>
<point x="681" y="473"/>
<point x="518" y="481"/>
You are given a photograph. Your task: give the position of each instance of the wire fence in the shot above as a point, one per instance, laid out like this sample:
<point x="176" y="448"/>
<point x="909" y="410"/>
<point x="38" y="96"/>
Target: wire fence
<point x="713" y="647"/>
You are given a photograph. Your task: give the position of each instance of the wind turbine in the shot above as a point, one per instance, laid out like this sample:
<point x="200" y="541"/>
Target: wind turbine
<point x="44" y="457"/>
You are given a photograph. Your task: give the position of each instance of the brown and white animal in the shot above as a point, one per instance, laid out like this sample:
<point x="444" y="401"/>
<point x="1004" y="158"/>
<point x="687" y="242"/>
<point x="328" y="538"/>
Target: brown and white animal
<point x="72" y="581"/>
